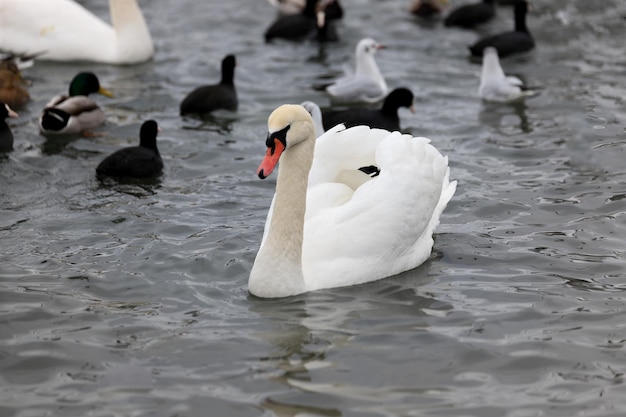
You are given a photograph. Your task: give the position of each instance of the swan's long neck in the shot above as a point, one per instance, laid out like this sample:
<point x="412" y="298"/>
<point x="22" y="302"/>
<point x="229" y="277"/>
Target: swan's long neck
<point x="281" y="253"/>
<point x="131" y="30"/>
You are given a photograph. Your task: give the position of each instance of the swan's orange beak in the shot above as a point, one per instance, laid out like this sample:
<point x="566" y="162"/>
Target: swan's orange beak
<point x="271" y="159"/>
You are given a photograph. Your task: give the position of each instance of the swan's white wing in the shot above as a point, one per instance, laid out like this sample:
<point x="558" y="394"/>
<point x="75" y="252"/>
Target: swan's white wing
<point x="385" y="226"/>
<point x="354" y="150"/>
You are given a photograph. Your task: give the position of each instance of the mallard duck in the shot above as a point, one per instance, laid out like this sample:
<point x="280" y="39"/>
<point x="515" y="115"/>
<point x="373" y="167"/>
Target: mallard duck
<point x="63" y="30"/>
<point x="143" y="161"/>
<point x="76" y="112"/>
<point x="324" y="229"/>
<point x="12" y="86"/>
<point x="6" y="136"/>
<point x="208" y="98"/>
<point x="385" y="117"/>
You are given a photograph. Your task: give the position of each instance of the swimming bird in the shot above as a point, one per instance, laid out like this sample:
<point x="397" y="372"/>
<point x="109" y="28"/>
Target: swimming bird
<point x="63" y="30"/>
<point x="306" y="24"/>
<point x="6" y="136"/>
<point x="427" y="8"/>
<point x="286" y="7"/>
<point x="324" y="232"/>
<point x="469" y="15"/>
<point x="385" y="117"/>
<point x="12" y="85"/>
<point x="511" y="42"/>
<point x="316" y="114"/>
<point x="76" y="112"/>
<point x="208" y="98"/>
<point x="366" y="83"/>
<point x="495" y="85"/>
<point x="143" y="161"/>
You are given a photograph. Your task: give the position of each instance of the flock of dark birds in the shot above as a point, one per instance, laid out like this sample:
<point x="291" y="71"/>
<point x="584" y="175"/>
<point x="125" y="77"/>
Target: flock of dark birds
<point x="77" y="113"/>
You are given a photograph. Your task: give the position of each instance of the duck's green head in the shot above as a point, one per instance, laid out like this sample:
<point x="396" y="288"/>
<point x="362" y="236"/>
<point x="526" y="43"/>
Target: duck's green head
<point x="85" y="83"/>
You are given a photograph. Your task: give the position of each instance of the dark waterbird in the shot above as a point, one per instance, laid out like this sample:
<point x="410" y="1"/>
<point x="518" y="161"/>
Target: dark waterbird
<point x="512" y="42"/>
<point x="143" y="161"/>
<point x="385" y="117"/>
<point x="470" y="15"/>
<point x="307" y="24"/>
<point x="6" y="136"/>
<point x="208" y="98"/>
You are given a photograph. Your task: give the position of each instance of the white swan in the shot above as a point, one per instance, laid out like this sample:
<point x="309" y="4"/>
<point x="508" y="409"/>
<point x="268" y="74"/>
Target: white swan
<point x="62" y="30"/>
<point x="325" y="231"/>
<point x="366" y="83"/>
<point x="495" y="85"/>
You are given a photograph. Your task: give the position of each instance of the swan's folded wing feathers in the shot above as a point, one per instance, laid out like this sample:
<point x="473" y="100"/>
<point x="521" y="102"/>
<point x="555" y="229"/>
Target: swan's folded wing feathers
<point x="390" y="217"/>
<point x="340" y="149"/>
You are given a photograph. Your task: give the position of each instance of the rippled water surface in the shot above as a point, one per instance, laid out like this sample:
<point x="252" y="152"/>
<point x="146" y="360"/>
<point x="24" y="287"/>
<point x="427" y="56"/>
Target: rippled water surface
<point x="131" y="299"/>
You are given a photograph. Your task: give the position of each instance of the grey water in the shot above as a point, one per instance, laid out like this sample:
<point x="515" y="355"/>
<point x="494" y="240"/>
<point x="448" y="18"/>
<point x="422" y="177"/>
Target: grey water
<point x="131" y="299"/>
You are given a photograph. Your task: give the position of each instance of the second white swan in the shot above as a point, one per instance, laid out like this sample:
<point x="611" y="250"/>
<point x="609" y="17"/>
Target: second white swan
<point x="63" y="30"/>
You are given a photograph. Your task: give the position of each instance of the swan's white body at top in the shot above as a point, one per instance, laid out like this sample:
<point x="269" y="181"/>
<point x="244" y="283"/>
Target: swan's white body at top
<point x="366" y="83"/>
<point x="63" y="30"/>
<point x="494" y="84"/>
<point x="331" y="225"/>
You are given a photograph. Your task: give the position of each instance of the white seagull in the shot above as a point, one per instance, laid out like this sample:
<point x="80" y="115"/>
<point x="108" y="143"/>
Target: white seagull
<point x="366" y="83"/>
<point x="495" y="85"/>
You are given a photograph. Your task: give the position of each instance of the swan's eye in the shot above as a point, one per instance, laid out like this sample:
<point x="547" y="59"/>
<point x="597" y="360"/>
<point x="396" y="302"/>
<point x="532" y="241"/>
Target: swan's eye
<point x="280" y="135"/>
<point x="367" y="49"/>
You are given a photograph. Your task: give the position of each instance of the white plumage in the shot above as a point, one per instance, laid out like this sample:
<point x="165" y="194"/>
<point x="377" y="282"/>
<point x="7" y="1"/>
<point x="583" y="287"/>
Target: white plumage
<point x="366" y="83"/>
<point x="316" y="114"/>
<point x="332" y="225"/>
<point x="63" y="30"/>
<point x="495" y="85"/>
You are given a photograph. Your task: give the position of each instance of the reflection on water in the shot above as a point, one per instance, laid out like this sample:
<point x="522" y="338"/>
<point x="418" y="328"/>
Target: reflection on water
<point x="507" y="119"/>
<point x="129" y="298"/>
<point x="307" y="330"/>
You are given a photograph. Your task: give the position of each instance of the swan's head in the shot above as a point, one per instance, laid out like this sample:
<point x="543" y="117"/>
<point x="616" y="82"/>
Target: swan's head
<point x="368" y="46"/>
<point x="288" y="125"/>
